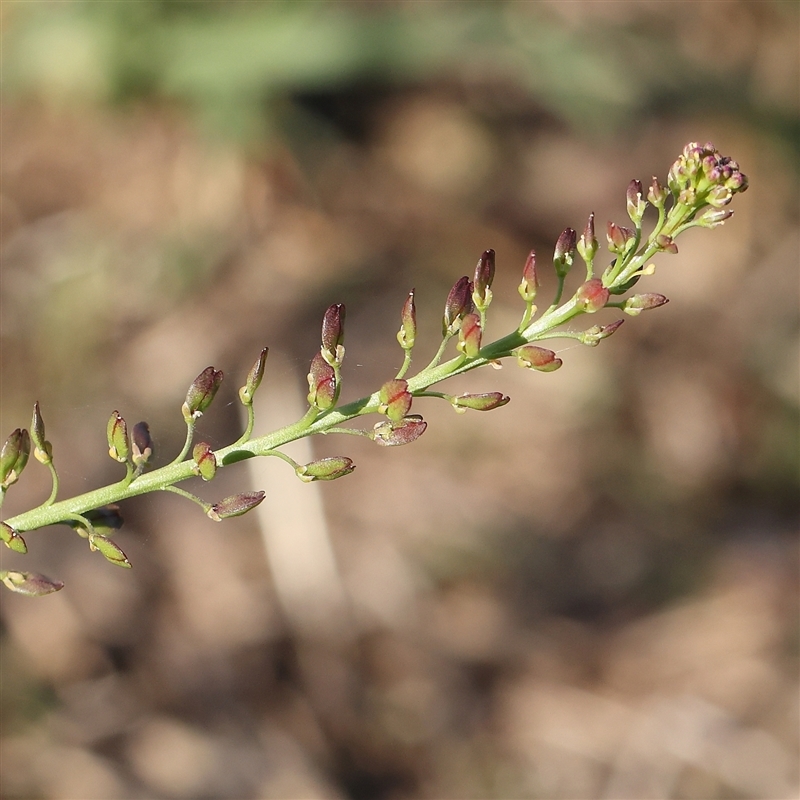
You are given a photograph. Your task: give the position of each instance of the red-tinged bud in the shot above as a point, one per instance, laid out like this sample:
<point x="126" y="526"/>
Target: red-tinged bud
<point x="321" y="384"/>
<point x="391" y="434"/>
<point x="118" y="444"/>
<point x="530" y="281"/>
<point x="587" y="244"/>
<point x="407" y="334"/>
<point x="469" y="336"/>
<point x="14" y="456"/>
<point x="564" y="253"/>
<point x="618" y="237"/>
<point x="247" y="392"/>
<point x="141" y="444"/>
<point x="11" y="539"/>
<point x="484" y="275"/>
<point x="541" y="359"/>
<point x="666" y="244"/>
<point x="29" y="583"/>
<point x="326" y="469"/>
<point x="205" y="462"/>
<point x="333" y="334"/>
<point x="592" y="336"/>
<point x="486" y="401"/>
<point x="201" y="393"/>
<point x="643" y="302"/>
<point x="42" y="449"/>
<point x="235" y="505"/>
<point x="657" y="194"/>
<point x="635" y="202"/>
<point x="714" y="218"/>
<point x="592" y="295"/>
<point x="459" y="302"/>
<point x="395" y="399"/>
<point x="109" y="550"/>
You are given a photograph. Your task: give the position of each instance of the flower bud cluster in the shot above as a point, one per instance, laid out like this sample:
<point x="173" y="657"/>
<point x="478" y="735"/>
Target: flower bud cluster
<point x="701" y="175"/>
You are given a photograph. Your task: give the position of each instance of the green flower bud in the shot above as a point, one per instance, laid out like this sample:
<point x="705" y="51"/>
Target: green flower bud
<point x="395" y="399"/>
<point x="391" y="434"/>
<point x="487" y="401"/>
<point x="714" y="217"/>
<point x="657" y="194"/>
<point x="235" y="505"/>
<point x="408" y="323"/>
<point x="11" y="539"/>
<point x="42" y="449"/>
<point x="201" y="393"/>
<point x="14" y="456"/>
<point x="247" y="392"/>
<point x="643" y="302"/>
<point x="592" y="336"/>
<point x="619" y="238"/>
<point x="117" y="431"/>
<point x="541" y="359"/>
<point x="469" y="336"/>
<point x="205" y="462"/>
<point x="326" y="469"/>
<point x="29" y="583"/>
<point x="109" y="550"/>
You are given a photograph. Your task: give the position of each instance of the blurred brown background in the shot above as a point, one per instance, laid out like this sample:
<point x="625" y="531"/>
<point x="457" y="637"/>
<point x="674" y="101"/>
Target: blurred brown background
<point x="590" y="593"/>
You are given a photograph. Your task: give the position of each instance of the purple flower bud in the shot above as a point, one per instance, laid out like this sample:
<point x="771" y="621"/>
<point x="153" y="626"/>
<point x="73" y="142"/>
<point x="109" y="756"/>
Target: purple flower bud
<point x="657" y="194"/>
<point x="321" y="383"/>
<point x="666" y="244"/>
<point x="391" y="434"/>
<point x="458" y="303"/>
<point x="14" y="456"/>
<point x="643" y="302"/>
<point x="587" y="244"/>
<point x="395" y="399"/>
<point x="201" y="393"/>
<point x="333" y="334"/>
<point x="486" y="401"/>
<point x="247" y="392"/>
<point x="30" y="583"/>
<point x="117" y="431"/>
<point x="42" y="449"/>
<point x="11" y="539"/>
<point x="484" y="275"/>
<point x="235" y="505"/>
<point x="539" y="358"/>
<point x="635" y="202"/>
<point x="530" y="281"/>
<point x="618" y="237"/>
<point x="592" y="336"/>
<point x="205" y="462"/>
<point x="141" y="444"/>
<point x="469" y="336"/>
<point x="408" y="328"/>
<point x="592" y="295"/>
<point x="326" y="469"/>
<point x="109" y="550"/>
<point x="564" y="253"/>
